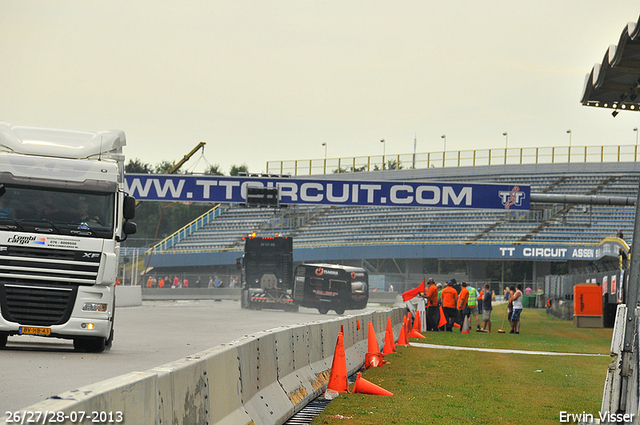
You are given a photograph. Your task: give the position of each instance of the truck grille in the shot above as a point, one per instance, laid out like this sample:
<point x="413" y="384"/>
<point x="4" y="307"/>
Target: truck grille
<point x="20" y="264"/>
<point x="38" y="286"/>
<point x="43" y="305"/>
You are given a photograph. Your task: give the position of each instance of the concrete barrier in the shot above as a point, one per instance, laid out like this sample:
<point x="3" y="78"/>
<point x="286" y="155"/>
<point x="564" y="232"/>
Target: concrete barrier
<point x="261" y="379"/>
<point x="152" y="294"/>
<point x="128" y="296"/>
<point x="156" y="294"/>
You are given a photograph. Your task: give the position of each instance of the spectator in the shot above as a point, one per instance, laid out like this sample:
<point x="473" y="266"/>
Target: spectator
<point x="516" y="302"/>
<point x="211" y="283"/>
<point x="619" y="235"/>
<point x="233" y="281"/>
<point x="449" y="299"/>
<point x="198" y="282"/>
<point x="528" y="290"/>
<point x="486" y="308"/>
<point x="473" y="306"/>
<point x="512" y="290"/>
<point x="390" y="288"/>
<point x="217" y="282"/>
<point x="463" y="308"/>
<point x="432" y="306"/>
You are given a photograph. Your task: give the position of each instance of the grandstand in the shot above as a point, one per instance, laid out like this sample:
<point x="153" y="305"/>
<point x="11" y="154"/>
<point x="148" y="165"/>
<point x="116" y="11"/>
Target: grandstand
<point x="363" y="235"/>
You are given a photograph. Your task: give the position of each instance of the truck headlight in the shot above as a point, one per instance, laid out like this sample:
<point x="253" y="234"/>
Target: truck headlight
<point x="94" y="307"/>
<point x="358" y="287"/>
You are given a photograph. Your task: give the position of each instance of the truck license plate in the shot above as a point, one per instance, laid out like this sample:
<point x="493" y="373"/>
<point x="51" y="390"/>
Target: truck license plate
<point x="32" y="330"/>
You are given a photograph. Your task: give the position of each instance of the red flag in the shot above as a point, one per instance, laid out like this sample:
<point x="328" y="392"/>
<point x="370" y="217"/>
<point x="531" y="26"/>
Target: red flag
<point x="443" y="319"/>
<point x="406" y="296"/>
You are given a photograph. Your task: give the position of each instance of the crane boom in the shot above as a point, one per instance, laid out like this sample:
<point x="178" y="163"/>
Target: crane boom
<point x="186" y="158"/>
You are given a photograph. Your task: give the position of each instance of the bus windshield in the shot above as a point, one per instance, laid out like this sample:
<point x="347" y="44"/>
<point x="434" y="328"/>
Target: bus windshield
<point x="50" y="210"/>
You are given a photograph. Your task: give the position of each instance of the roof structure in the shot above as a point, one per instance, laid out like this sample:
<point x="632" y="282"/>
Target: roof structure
<point x="615" y="83"/>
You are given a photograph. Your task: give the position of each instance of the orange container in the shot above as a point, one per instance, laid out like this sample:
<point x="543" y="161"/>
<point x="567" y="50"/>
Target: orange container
<point x="587" y="300"/>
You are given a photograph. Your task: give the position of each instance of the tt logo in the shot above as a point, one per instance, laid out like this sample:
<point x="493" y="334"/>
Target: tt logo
<point x="513" y="197"/>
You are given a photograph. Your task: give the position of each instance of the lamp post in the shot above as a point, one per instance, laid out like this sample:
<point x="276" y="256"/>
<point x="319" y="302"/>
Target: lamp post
<point x="636" y="130"/>
<point x="325" y="156"/>
<point x="569" y="133"/>
<point x="506" y="146"/>
<point x="384" y="148"/>
<point x="444" y="146"/>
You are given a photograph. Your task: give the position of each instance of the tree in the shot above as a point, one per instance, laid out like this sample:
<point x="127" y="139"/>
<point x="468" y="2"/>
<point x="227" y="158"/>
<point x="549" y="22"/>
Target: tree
<point x="137" y="166"/>
<point x="236" y="169"/>
<point x="214" y="170"/>
<point x="394" y="165"/>
<point x="164" y="167"/>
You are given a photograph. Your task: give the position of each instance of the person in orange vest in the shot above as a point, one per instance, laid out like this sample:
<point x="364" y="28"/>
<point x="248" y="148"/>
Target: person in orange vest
<point x="117" y="281"/>
<point x="432" y="306"/>
<point x="463" y="300"/>
<point x="449" y="300"/>
<point x="149" y="282"/>
<point x="161" y="283"/>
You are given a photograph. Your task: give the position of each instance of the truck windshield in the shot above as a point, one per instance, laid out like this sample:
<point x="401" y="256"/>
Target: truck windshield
<point x="47" y="210"/>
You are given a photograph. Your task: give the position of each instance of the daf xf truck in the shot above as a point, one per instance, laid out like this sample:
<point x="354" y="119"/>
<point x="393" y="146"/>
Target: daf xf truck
<point x="63" y="214"/>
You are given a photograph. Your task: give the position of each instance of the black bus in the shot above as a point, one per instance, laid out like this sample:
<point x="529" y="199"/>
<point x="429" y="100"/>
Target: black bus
<point x="331" y="287"/>
<point x="267" y="270"/>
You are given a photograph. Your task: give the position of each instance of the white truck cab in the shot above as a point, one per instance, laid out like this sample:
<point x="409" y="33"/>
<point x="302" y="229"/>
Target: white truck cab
<point x="63" y="214"/>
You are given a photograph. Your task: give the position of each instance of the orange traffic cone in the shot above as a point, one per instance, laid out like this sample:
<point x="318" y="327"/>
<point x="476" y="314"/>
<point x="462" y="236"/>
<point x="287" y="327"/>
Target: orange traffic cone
<point x="389" y="342"/>
<point x="407" y="330"/>
<point x="415" y="332"/>
<point x="363" y="386"/>
<point x="443" y="319"/>
<point x="456" y="325"/>
<point x="402" y="339"/>
<point x="465" y="325"/>
<point x="373" y="358"/>
<point x="357" y="324"/>
<point x="338" y="381"/>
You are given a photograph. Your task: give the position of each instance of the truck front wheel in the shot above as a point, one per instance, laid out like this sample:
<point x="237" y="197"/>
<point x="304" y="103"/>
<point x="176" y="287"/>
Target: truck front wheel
<point x="90" y="345"/>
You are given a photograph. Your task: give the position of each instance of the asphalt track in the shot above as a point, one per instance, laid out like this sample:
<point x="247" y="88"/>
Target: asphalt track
<point x="158" y="332"/>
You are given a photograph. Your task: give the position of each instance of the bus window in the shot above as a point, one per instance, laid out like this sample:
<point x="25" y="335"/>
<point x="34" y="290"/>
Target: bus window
<point x="314" y="281"/>
<point x="337" y="285"/>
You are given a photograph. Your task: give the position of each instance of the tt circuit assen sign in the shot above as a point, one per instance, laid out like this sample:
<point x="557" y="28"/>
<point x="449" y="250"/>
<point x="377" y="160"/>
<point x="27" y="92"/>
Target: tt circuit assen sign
<point x="329" y="192"/>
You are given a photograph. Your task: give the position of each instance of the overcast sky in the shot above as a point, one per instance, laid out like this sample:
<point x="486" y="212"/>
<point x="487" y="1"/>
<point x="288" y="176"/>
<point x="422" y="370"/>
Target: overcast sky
<point x="273" y="80"/>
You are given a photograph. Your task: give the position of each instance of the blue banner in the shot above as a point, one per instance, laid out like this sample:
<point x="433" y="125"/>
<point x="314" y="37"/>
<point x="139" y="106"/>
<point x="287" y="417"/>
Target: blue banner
<point x="159" y="187"/>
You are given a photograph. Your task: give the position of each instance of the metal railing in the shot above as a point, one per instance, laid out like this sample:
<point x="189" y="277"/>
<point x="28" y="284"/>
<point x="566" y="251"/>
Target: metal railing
<point x="182" y="233"/>
<point x="463" y="158"/>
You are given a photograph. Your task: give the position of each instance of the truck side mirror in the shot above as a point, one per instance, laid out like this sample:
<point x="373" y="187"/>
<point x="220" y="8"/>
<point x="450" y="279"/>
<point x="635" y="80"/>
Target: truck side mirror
<point x="129" y="207"/>
<point x="129" y="228"/>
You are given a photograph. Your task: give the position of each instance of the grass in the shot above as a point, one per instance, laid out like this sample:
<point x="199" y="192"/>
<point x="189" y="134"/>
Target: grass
<point x="434" y="386"/>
